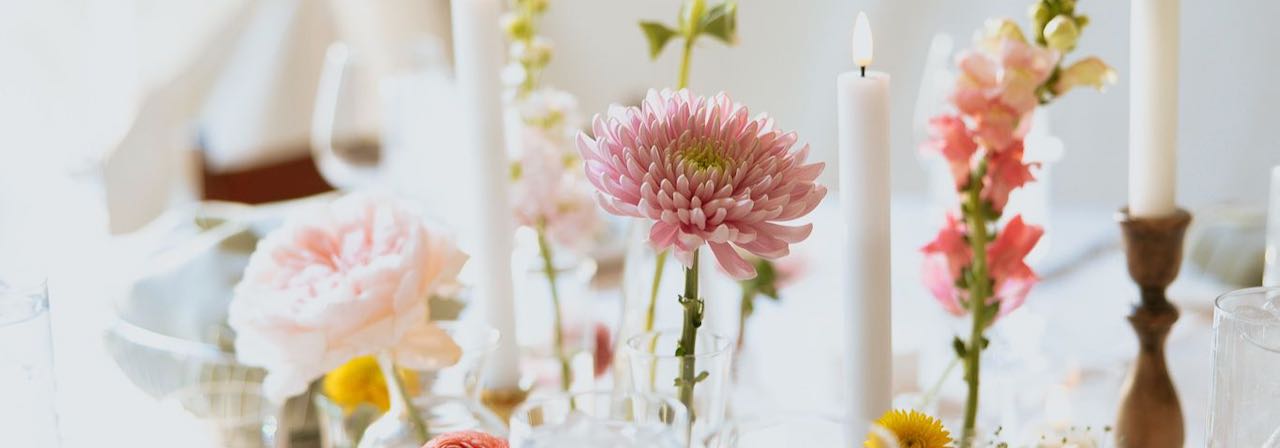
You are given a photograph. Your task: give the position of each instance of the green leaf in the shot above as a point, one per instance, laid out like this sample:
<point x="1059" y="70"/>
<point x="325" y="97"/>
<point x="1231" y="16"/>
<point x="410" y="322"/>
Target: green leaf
<point x="658" y="35"/>
<point x="721" y="22"/>
<point x="958" y="345"/>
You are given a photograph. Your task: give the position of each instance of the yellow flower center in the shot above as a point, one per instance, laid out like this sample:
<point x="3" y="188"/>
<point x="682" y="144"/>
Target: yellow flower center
<point x="703" y="155"/>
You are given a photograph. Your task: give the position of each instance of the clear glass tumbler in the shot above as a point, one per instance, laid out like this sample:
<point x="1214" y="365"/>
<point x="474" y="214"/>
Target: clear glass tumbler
<point x="600" y="419"/>
<point x="1246" y="359"/>
<point x="656" y="369"/>
<point x="27" y="413"/>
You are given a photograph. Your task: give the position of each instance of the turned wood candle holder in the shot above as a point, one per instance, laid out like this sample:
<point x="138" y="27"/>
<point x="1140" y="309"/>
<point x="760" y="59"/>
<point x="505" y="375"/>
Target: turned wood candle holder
<point x="1150" y="415"/>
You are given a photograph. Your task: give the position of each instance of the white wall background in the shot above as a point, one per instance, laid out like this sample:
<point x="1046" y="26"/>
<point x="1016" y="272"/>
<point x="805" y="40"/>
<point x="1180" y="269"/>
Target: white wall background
<point x="791" y="52"/>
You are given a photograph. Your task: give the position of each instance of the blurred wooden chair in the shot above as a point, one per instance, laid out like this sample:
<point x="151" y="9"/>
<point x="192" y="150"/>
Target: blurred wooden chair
<point x="286" y="179"/>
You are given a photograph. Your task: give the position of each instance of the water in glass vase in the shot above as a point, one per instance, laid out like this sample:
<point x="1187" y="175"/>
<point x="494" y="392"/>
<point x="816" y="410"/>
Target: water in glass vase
<point x="1246" y="352"/>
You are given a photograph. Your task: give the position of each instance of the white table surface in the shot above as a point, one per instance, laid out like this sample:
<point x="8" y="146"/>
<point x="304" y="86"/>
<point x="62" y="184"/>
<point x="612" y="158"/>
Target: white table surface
<point x="1083" y="345"/>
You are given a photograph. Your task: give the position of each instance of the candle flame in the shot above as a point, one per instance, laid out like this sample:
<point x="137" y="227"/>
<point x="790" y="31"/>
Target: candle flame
<point x="862" y="41"/>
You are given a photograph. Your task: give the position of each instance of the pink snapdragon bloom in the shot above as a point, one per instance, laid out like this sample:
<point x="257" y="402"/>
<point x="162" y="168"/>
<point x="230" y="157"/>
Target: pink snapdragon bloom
<point x="951" y="138"/>
<point x="345" y="279"/>
<point x="997" y="90"/>
<point x="704" y="172"/>
<point x="1005" y="173"/>
<point x="466" y="439"/>
<point x="949" y="254"/>
<point x="1006" y="261"/>
<point x="944" y="260"/>
<point x="546" y="193"/>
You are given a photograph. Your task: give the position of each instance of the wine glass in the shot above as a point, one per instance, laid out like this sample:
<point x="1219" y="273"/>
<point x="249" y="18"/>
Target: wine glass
<point x="376" y="110"/>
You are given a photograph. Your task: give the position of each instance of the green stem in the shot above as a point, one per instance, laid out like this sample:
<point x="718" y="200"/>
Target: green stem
<point x="748" y="296"/>
<point x="685" y="61"/>
<point x="979" y="284"/>
<point x="388" y="364"/>
<point x="687" y="348"/>
<point x="549" y="268"/>
<point x="659" y="267"/>
<point x="651" y="314"/>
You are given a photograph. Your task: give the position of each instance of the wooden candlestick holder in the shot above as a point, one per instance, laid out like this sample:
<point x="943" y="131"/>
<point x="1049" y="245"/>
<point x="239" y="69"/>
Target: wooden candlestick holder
<point x="1150" y="415"/>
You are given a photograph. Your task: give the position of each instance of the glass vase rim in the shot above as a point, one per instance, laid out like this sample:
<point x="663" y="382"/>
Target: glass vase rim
<point x="1220" y="303"/>
<point x="491" y="335"/>
<point x="519" y="415"/>
<point x="723" y="344"/>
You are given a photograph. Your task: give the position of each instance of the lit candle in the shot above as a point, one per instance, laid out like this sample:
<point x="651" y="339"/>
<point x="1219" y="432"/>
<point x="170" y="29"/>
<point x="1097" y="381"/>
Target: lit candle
<point x="863" y="121"/>
<point x="1153" y="107"/>
<point x="477" y="49"/>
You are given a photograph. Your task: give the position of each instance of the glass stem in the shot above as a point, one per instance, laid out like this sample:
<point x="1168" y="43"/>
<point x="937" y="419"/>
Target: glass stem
<point x="978" y="293"/>
<point x="549" y="268"/>
<point x="687" y="348"/>
<point x="400" y="399"/>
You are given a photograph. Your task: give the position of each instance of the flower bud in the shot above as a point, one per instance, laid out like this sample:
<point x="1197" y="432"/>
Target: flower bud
<point x="1061" y="33"/>
<point x="1090" y="72"/>
<point x="996" y="31"/>
<point x="1004" y="29"/>
<point x="540" y="51"/>
<point x="691" y="15"/>
<point x="517" y="26"/>
<point x="534" y="53"/>
<point x="536" y="6"/>
<point x="1040" y="15"/>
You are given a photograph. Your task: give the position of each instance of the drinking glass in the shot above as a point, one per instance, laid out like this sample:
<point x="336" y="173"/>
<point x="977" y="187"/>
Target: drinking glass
<point x="375" y="111"/>
<point x="655" y="369"/>
<point x="27" y="413"/>
<point x="228" y="414"/>
<point x="600" y="419"/>
<point x="1246" y="357"/>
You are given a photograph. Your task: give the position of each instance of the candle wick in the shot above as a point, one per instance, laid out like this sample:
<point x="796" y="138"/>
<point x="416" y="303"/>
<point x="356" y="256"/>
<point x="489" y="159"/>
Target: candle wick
<point x="864" y="70"/>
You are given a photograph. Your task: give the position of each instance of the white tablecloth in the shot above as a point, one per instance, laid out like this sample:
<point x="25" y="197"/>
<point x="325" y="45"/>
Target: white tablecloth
<point x="1071" y="337"/>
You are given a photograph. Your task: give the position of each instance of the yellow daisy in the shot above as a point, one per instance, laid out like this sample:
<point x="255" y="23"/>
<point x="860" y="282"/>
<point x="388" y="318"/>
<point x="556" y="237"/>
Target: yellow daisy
<point x="913" y="430"/>
<point x="360" y="381"/>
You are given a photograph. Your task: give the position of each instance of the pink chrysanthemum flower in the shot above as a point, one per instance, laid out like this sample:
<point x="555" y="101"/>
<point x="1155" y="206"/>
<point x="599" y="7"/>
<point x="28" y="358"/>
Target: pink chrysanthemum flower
<point x="704" y="172"/>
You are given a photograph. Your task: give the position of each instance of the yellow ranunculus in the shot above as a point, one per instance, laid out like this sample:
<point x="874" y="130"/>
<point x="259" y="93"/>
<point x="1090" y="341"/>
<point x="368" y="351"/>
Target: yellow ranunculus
<point x="360" y="381"/>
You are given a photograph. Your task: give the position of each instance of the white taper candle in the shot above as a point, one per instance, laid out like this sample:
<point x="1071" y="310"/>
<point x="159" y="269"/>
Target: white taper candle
<point x="863" y="122"/>
<point x="478" y="50"/>
<point x="1153" y="107"/>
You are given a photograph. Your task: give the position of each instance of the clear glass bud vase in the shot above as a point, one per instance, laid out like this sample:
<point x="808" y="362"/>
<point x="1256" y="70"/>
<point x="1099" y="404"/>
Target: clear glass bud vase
<point x="444" y="400"/>
<point x="656" y="369"/>
<point x="651" y="284"/>
<point x="557" y="331"/>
